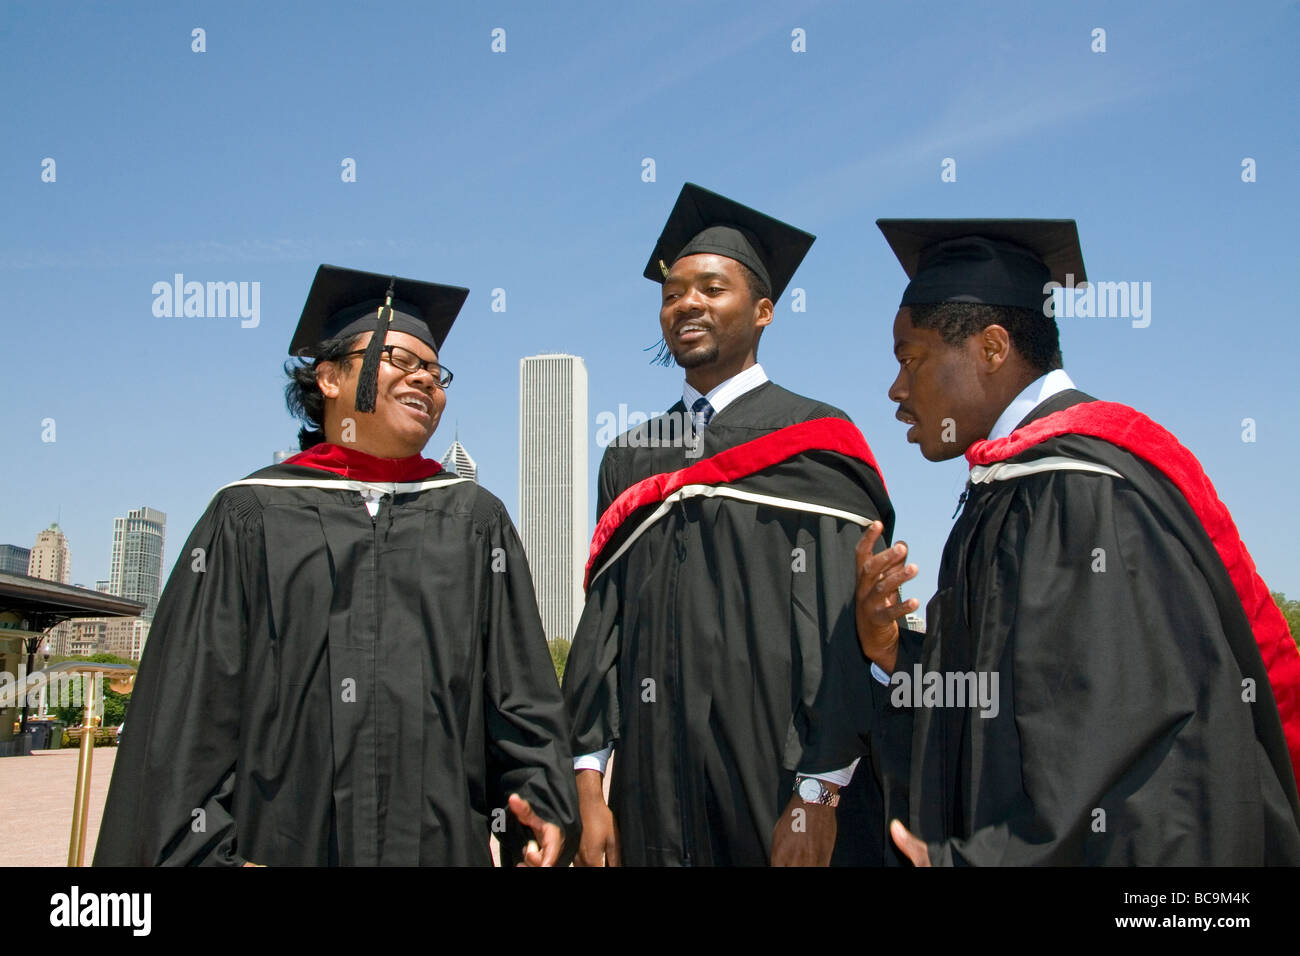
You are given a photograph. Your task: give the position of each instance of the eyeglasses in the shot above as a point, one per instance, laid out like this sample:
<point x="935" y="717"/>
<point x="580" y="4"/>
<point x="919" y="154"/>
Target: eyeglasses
<point x="408" y="362"/>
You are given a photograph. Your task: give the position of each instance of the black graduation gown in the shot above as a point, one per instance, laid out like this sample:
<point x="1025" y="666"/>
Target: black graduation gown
<point x="324" y="687"/>
<point x="719" y="652"/>
<point x="1120" y="649"/>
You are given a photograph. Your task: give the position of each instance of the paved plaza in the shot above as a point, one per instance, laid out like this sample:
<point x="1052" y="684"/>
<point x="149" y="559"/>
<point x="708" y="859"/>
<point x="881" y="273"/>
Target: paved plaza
<point x="36" y="805"/>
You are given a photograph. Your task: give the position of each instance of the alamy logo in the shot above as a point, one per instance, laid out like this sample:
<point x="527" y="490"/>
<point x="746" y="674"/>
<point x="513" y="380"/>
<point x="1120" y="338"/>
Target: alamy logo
<point x="661" y="430"/>
<point x="946" y="689"/>
<point x="75" y="908"/>
<point x="1100" y="300"/>
<point x="210" y="300"/>
<point x="57" y="689"/>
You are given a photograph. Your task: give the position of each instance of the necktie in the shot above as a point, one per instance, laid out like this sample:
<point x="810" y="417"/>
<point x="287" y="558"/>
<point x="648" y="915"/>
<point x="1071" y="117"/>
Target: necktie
<point x="701" y="412"/>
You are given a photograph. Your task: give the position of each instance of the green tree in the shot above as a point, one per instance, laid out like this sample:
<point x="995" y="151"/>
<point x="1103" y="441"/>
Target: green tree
<point x="559" y="655"/>
<point x="1290" y="611"/>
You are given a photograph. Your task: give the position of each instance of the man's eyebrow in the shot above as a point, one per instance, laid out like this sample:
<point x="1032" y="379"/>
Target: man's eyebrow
<point x="697" y="277"/>
<point x="898" y="344"/>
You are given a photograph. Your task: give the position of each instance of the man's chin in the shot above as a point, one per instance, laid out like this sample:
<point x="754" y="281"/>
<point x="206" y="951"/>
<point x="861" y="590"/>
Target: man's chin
<point x="697" y="357"/>
<point x="941" y="451"/>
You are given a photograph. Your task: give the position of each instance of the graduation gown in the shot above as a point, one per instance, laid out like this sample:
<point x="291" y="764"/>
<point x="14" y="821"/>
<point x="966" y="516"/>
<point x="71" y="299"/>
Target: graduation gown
<point x="1136" y="720"/>
<point x="324" y="687"/>
<point x="717" y="650"/>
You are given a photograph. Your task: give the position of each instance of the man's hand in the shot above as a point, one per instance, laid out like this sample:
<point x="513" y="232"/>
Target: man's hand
<point x="877" y="606"/>
<point x="914" y="849"/>
<point x="548" y="835"/>
<point x="804" y="834"/>
<point x="599" y="845"/>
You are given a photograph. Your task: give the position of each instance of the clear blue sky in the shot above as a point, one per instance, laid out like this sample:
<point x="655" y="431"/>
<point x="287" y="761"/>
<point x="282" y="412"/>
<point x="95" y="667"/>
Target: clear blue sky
<point x="522" y="170"/>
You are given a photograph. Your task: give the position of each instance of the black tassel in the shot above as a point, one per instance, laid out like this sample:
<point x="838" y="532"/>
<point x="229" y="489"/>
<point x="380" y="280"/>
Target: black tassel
<point x="663" y="355"/>
<point x="368" y="380"/>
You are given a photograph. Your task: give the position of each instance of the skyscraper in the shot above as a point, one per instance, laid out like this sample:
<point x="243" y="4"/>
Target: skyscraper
<point x="50" y="558"/>
<point x="136" y="570"/>
<point x="458" y="460"/>
<point x="553" y="484"/>
<point x="15" y="559"/>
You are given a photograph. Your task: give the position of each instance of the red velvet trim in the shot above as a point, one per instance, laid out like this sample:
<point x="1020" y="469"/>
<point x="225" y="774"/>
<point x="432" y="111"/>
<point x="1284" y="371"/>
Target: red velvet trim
<point x="1134" y="432"/>
<point x="739" y="461"/>
<point x="351" y="463"/>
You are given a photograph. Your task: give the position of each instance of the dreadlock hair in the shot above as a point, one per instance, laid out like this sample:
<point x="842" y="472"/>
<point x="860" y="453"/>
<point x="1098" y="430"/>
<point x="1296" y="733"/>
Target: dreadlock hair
<point x="1034" y="336"/>
<point x="758" y="289"/>
<point x="302" y="394"/>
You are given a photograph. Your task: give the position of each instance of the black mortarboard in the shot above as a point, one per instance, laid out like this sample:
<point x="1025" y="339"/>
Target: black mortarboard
<point x="344" y="302"/>
<point x="703" y="221"/>
<point x="992" y="261"/>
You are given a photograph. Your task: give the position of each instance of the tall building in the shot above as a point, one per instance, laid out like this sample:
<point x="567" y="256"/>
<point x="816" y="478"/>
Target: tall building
<point x="14" y="559"/>
<point x="553" y="484"/>
<point x="50" y="559"/>
<point x="136" y="570"/>
<point x="458" y="460"/>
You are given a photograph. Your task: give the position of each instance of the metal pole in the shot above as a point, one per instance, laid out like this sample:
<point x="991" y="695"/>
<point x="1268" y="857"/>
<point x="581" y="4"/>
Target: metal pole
<point x="81" y="798"/>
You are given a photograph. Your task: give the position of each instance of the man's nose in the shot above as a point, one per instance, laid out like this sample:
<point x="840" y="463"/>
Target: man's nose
<point x="688" y="301"/>
<point x="897" y="392"/>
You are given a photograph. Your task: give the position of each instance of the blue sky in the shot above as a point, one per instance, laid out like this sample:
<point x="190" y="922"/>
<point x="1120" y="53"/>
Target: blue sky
<point x="522" y="170"/>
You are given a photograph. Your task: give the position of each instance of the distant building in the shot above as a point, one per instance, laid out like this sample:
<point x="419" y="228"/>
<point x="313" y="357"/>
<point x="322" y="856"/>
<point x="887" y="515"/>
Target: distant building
<point x="50" y="559"/>
<point x="14" y="559"/>
<point x="459" y="461"/>
<point x="136" y="570"/>
<point x="279" y="456"/>
<point x="83" y="636"/>
<point x="104" y="586"/>
<point x="553" y="484"/>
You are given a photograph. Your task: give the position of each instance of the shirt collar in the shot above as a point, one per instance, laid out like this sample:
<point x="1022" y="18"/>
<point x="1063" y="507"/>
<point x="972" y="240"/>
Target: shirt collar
<point x="1037" y="392"/>
<point x="728" y="391"/>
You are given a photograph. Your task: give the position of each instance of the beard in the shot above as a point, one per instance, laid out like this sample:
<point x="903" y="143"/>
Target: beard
<point x="701" y="355"/>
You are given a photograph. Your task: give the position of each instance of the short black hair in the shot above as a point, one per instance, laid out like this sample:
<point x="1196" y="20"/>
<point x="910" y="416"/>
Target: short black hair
<point x="1032" y="334"/>
<point x="758" y="289"/>
<point x="302" y="394"/>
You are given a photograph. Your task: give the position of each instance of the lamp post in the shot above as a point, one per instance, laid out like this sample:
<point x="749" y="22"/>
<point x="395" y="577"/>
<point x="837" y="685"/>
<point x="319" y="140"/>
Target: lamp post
<point x="44" y="710"/>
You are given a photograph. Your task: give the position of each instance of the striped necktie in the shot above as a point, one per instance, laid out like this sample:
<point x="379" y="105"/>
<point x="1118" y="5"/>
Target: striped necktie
<point x="701" y="412"/>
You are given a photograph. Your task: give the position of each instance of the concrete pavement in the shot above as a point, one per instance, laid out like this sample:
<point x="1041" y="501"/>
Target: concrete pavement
<point x="36" y="805"/>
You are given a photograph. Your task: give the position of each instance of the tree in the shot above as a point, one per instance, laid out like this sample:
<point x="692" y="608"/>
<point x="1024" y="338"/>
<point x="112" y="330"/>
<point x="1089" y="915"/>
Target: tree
<point x="1290" y="611"/>
<point x="559" y="655"/>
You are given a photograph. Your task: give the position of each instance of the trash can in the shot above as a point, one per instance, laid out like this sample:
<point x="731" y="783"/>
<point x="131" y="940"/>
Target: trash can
<point x="40" y="736"/>
<point x="56" y="733"/>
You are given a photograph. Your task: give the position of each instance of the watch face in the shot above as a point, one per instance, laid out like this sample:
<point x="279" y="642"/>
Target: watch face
<point x="810" y="790"/>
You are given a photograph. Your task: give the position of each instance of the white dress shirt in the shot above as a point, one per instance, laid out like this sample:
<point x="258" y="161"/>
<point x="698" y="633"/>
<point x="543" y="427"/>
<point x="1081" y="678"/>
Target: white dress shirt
<point x="720" y="397"/>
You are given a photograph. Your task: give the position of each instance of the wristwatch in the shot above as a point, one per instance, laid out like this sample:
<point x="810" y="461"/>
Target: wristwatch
<point x="812" y="790"/>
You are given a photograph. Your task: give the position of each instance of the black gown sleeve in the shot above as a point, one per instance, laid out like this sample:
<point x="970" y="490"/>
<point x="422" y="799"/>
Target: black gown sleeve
<point x="833" y="715"/>
<point x="1119" y="723"/>
<point x="527" y="731"/>
<point x="169" y="801"/>
<point x="591" y="674"/>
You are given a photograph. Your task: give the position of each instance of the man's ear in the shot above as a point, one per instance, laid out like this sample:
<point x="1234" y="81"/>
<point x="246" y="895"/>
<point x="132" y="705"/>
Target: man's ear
<point x="994" y="348"/>
<point x="763" y="311"/>
<point x="328" y="379"/>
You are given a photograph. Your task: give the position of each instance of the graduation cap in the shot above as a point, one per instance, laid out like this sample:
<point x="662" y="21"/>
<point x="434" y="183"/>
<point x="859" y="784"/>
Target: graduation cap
<point x="991" y="261"/>
<point x="345" y="302"/>
<point x="704" y="222"/>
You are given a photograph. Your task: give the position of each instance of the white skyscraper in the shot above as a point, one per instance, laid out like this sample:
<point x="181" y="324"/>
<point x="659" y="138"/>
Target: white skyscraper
<point x="553" y="484"/>
<point x="136" y="570"/>
<point x="458" y="460"/>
